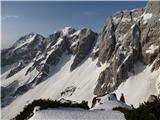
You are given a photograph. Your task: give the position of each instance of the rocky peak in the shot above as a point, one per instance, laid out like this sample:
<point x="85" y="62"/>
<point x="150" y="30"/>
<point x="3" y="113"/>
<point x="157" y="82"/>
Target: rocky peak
<point x="127" y="37"/>
<point x="27" y="39"/>
<point x="84" y="43"/>
<point x="65" y="41"/>
<point x="68" y="31"/>
<point x="26" y="47"/>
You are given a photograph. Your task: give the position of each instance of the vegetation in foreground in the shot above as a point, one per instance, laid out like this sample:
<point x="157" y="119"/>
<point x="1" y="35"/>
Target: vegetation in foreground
<point x="146" y="111"/>
<point x="47" y="103"/>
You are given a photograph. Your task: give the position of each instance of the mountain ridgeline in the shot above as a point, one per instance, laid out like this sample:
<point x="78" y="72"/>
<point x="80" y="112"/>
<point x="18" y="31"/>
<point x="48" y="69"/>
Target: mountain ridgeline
<point x="127" y="37"/>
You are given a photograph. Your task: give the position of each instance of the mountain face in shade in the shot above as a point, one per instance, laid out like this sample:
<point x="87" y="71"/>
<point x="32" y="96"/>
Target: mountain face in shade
<point x="80" y="64"/>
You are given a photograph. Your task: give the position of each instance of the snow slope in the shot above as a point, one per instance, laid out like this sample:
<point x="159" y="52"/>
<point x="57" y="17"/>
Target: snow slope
<point x="102" y="110"/>
<point x="55" y="84"/>
<point x="137" y="88"/>
<point x="76" y="114"/>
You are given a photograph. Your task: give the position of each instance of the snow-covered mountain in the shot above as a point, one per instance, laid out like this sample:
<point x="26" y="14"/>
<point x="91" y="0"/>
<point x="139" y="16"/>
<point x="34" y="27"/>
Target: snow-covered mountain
<point x="80" y="64"/>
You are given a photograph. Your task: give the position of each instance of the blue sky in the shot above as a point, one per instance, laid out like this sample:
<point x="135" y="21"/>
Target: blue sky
<point x="20" y="18"/>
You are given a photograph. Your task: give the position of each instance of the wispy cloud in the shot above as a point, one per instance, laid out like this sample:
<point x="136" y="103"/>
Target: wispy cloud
<point x="10" y="17"/>
<point x="89" y="13"/>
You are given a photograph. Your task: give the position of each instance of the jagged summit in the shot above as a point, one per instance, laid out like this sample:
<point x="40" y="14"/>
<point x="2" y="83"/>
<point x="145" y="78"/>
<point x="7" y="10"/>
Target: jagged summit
<point x="39" y="60"/>
<point x="27" y="39"/>
<point x="68" y="30"/>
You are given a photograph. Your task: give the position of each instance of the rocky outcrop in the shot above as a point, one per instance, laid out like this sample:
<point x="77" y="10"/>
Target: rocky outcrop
<point x="86" y="40"/>
<point x="68" y="91"/>
<point x="153" y="7"/>
<point x="107" y="42"/>
<point x="152" y="98"/>
<point x="127" y="37"/>
<point x="125" y="54"/>
<point x="16" y="69"/>
<point x="156" y="64"/>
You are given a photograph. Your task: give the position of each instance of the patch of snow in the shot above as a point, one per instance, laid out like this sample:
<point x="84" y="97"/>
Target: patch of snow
<point x="59" y="41"/>
<point x="158" y="84"/>
<point x="126" y="19"/>
<point x="146" y="17"/>
<point x="107" y="104"/>
<point x="122" y="37"/>
<point x="66" y="30"/>
<point x="116" y="20"/>
<point x="152" y="49"/>
<point x="76" y="33"/>
<point x="74" y="43"/>
<point x="22" y="43"/>
<point x="133" y="26"/>
<point x="95" y="50"/>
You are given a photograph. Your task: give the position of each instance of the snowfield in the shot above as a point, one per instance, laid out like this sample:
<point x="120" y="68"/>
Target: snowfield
<point x="59" y="79"/>
<point x="101" y="111"/>
<point x="76" y="114"/>
<point x="137" y="88"/>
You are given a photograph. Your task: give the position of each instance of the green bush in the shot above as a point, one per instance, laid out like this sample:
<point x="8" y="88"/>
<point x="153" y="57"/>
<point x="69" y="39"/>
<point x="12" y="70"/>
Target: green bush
<point x="146" y="111"/>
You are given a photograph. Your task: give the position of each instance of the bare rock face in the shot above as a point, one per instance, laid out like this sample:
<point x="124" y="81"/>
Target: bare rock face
<point x="153" y="7"/>
<point x="156" y="64"/>
<point x="124" y="54"/>
<point x="107" y="41"/>
<point x="127" y="37"/>
<point x="152" y="98"/>
<point x="86" y="40"/>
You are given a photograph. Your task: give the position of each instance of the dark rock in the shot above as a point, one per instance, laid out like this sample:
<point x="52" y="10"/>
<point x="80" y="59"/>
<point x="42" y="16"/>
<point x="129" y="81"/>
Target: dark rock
<point x="156" y="64"/>
<point x="152" y="98"/>
<point x="122" y="99"/>
<point x="68" y="91"/>
<point x="112" y="96"/>
<point x="85" y="44"/>
<point x="107" y="42"/>
<point x="22" y="89"/>
<point x="15" y="70"/>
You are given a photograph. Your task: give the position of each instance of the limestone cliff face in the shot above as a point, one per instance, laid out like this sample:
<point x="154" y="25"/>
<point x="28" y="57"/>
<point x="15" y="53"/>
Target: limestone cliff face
<point x="127" y="37"/>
